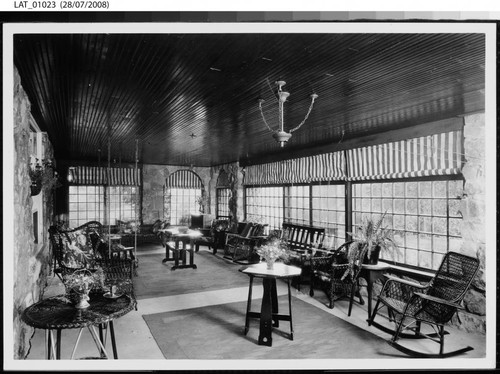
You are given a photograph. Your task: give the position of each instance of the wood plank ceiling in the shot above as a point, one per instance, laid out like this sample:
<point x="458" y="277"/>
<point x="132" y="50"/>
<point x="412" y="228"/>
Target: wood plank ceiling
<point x="191" y="99"/>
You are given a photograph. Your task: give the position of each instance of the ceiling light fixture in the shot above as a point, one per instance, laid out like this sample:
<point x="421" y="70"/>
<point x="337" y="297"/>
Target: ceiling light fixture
<point x="281" y="135"/>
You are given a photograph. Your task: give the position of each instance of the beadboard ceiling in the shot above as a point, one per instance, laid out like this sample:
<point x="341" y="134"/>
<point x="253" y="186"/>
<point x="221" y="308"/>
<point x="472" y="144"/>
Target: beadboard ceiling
<point x="192" y="99"/>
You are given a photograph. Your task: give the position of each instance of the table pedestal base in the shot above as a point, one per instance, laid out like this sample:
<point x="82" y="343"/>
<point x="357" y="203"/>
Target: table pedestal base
<point x="269" y="316"/>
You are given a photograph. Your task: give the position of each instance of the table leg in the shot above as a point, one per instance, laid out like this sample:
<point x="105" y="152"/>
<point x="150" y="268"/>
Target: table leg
<point x="191" y="253"/>
<point x="290" y="308"/>
<point x="58" y="353"/>
<point x="266" y="314"/>
<point x="101" y="336"/>
<point x="76" y="344"/>
<point x="249" y="305"/>
<point x="98" y="341"/>
<point x="176" y="256"/>
<point x="369" y="288"/>
<point x="47" y="344"/>
<point x="113" y="341"/>
<point x="183" y="252"/>
<point x="274" y="299"/>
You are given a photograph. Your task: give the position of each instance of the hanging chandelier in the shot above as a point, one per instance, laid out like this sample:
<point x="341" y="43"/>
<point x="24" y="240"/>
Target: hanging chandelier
<point x="280" y="134"/>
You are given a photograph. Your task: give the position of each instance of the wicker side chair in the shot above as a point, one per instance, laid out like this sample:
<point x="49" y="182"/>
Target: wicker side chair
<point x="92" y="255"/>
<point x="330" y="268"/>
<point x="412" y="304"/>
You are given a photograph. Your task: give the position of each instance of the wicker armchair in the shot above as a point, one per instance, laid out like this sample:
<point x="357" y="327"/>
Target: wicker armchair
<point x="83" y="248"/>
<point x="330" y="268"/>
<point x="410" y="304"/>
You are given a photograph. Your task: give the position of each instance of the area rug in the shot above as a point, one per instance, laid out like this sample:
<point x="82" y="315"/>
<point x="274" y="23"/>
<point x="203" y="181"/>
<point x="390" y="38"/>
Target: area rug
<point x="216" y="332"/>
<point x="155" y="279"/>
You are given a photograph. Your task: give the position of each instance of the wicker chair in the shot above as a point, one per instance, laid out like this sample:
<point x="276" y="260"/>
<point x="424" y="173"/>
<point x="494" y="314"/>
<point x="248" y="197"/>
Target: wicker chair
<point x="411" y="304"/>
<point x="117" y="269"/>
<point x="244" y="233"/>
<point x="331" y="269"/>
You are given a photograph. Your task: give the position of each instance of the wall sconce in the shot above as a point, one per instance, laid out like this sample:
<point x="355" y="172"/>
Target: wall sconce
<point x="71" y="176"/>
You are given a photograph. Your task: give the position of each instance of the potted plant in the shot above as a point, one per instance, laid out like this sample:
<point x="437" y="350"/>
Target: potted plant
<point x="43" y="175"/>
<point x="273" y="250"/>
<point x="368" y="241"/>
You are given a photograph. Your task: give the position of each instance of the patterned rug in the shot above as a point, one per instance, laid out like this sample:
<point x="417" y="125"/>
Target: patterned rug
<point x="216" y="332"/>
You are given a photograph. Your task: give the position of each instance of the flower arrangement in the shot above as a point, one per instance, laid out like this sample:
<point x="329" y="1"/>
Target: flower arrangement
<point x="81" y="281"/>
<point x="273" y="250"/>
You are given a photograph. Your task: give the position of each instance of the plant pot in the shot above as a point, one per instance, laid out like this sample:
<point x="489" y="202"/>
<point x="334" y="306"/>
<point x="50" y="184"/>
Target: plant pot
<point x="270" y="265"/>
<point x="374" y="256"/>
<point x="36" y="186"/>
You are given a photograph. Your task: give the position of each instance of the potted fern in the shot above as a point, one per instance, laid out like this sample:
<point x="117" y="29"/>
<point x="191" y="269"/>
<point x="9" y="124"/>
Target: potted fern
<point x="368" y="241"/>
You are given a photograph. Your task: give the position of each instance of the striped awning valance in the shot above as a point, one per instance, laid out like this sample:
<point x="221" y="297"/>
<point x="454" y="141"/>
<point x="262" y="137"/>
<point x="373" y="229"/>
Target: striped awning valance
<point x="124" y="177"/>
<point x="439" y="154"/>
<point x="94" y="175"/>
<point x="184" y="179"/>
<point x="328" y="167"/>
<point x="325" y="167"/>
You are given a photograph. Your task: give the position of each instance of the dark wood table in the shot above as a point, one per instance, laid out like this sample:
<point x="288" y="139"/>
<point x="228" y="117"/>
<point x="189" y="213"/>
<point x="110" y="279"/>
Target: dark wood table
<point x="183" y="241"/>
<point x="269" y="316"/>
<point x="372" y="273"/>
<point x="59" y="313"/>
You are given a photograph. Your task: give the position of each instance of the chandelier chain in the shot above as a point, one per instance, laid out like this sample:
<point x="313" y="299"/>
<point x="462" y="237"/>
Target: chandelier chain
<point x="305" y="118"/>
<point x="263" y="118"/>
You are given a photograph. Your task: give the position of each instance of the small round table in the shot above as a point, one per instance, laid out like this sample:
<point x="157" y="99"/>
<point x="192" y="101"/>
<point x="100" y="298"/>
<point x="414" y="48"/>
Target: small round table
<point x="268" y="315"/>
<point x="58" y="313"/>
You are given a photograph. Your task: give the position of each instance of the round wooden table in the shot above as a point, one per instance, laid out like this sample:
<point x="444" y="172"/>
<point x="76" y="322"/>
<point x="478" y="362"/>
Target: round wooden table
<point x="59" y="312"/>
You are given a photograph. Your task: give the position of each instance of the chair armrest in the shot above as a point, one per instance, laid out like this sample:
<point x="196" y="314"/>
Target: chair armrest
<point x="405" y="281"/>
<point x="438" y="300"/>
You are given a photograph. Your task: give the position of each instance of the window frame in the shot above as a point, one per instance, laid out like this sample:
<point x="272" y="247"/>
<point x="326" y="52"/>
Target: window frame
<point x="350" y="209"/>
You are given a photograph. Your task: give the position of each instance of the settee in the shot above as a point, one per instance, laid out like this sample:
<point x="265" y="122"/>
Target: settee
<point x="146" y="233"/>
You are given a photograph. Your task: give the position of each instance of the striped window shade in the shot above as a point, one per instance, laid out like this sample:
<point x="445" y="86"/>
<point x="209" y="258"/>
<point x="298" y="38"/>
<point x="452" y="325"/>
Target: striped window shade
<point x="438" y="154"/>
<point x="124" y="177"/>
<point x="324" y="167"/>
<point x="93" y="175"/>
<point x="184" y="179"/>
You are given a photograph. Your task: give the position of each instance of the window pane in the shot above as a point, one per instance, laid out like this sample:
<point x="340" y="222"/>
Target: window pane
<point x="425" y="213"/>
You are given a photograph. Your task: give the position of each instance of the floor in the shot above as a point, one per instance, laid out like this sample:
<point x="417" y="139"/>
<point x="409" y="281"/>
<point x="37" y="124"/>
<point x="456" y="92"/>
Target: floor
<point x="138" y="349"/>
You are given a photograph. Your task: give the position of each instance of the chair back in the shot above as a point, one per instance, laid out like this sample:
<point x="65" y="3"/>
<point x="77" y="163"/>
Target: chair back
<point x="454" y="276"/>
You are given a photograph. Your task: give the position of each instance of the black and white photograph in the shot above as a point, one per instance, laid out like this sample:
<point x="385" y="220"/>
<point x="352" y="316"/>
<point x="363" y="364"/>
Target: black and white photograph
<point x="237" y="191"/>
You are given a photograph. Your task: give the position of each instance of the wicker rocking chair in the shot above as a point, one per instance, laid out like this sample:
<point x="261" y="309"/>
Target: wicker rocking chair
<point x="330" y="268"/>
<point x="411" y="304"/>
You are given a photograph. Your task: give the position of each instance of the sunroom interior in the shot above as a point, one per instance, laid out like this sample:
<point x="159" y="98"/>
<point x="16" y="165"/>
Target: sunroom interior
<point x="131" y="128"/>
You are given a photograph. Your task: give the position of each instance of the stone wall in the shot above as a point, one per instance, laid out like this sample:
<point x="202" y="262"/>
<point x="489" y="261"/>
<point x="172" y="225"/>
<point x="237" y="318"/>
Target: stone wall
<point x="154" y="177"/>
<point x="474" y="219"/>
<point x="32" y="259"/>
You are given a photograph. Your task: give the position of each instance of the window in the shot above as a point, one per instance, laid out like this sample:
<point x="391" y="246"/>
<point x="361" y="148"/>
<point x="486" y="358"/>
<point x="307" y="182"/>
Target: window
<point x="425" y="215"/>
<point x="328" y="211"/>
<point x="223" y="196"/>
<point x="123" y="203"/>
<point x="265" y="204"/>
<point x="86" y="203"/>
<point x="297" y="205"/>
<point x="182" y="202"/>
